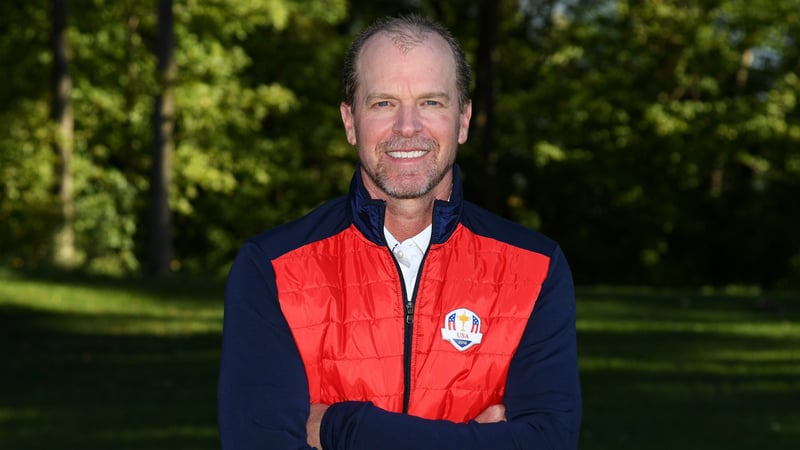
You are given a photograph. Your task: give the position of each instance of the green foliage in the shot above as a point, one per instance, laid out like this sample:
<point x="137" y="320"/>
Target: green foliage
<point x="229" y="154"/>
<point x="653" y="138"/>
<point x="27" y="217"/>
<point x="248" y="139"/>
<point x="658" y="142"/>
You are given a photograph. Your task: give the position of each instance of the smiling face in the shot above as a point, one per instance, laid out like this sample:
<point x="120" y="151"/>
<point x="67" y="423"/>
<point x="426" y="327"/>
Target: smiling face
<point x="405" y="119"/>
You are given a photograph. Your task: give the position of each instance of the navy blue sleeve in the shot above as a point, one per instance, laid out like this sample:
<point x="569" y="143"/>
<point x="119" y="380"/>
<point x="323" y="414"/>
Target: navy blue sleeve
<point x="542" y="399"/>
<point x="262" y="392"/>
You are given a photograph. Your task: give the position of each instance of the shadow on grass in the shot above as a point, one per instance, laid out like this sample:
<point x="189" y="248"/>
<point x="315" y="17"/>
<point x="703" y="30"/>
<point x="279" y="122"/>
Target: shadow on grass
<point x="85" y="390"/>
<point x="678" y="371"/>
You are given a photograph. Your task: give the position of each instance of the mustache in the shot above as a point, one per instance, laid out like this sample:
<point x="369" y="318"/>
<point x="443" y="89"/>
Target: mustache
<point x="399" y="143"/>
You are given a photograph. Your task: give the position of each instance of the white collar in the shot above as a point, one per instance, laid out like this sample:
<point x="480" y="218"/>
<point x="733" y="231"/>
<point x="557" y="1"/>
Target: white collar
<point x="421" y="240"/>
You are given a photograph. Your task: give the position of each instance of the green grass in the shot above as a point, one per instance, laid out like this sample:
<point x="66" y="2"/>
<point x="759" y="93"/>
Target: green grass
<point x="93" y="363"/>
<point x="101" y="364"/>
<point x="683" y="370"/>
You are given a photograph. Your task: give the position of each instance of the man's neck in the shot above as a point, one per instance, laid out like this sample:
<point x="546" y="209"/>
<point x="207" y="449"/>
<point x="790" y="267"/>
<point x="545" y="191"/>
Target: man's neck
<point x="405" y="218"/>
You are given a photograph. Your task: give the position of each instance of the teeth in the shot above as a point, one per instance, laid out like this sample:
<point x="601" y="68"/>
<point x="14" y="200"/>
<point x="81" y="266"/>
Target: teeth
<point x="407" y="155"/>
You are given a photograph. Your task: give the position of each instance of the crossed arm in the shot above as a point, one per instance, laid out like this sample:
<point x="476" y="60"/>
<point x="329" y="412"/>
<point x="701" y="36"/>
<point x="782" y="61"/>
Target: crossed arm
<point x="492" y="414"/>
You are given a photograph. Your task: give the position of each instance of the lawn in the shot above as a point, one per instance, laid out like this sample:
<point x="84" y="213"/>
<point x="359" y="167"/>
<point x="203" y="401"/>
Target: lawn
<point x="94" y="363"/>
<point x="686" y="370"/>
<point x="102" y="364"/>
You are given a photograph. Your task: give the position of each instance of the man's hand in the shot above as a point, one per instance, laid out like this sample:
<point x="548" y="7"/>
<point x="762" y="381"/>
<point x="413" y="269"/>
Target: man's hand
<point x="313" y="424"/>
<point x="492" y="414"/>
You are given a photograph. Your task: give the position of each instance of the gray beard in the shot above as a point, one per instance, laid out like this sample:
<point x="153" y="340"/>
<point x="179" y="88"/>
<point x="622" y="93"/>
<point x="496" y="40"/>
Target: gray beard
<point x="434" y="177"/>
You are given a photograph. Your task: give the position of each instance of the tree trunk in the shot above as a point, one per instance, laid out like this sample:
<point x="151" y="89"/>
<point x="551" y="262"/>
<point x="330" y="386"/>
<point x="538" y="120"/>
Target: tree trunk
<point x="483" y="105"/>
<point x="160" y="220"/>
<point x="64" y="253"/>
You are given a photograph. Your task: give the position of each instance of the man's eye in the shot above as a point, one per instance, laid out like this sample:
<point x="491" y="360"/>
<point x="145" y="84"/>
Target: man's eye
<point x="432" y="103"/>
<point x="382" y="104"/>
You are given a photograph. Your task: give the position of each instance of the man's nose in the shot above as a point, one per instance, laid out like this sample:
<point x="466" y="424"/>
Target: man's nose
<point x="408" y="121"/>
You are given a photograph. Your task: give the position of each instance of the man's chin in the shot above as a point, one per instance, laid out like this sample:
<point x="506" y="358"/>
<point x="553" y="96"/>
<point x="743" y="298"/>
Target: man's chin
<point x="407" y="190"/>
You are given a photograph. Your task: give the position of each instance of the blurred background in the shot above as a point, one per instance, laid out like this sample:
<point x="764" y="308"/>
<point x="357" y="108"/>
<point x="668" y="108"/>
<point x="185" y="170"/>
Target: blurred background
<point x="657" y="140"/>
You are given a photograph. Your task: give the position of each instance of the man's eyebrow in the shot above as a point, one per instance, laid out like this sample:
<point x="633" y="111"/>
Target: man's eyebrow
<point x="442" y="95"/>
<point x="382" y="96"/>
<point x="378" y="96"/>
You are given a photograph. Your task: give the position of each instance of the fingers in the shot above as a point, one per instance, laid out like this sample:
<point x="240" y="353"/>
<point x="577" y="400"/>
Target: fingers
<point x="313" y="424"/>
<point x="492" y="414"/>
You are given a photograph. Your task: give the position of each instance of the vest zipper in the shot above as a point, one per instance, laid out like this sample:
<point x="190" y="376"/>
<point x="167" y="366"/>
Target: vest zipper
<point x="409" y="329"/>
<point x="409" y="332"/>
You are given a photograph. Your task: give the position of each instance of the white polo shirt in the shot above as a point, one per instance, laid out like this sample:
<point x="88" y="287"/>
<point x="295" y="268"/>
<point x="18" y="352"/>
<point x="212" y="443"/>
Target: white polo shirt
<point x="409" y="255"/>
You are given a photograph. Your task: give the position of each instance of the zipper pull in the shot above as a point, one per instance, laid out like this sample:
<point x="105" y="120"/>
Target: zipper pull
<point x="409" y="313"/>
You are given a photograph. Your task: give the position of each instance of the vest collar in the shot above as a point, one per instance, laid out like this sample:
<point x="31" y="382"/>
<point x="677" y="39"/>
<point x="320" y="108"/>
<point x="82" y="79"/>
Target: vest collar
<point x="369" y="213"/>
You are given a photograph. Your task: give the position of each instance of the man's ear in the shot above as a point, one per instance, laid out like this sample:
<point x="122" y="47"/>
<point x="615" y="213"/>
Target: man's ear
<point x="463" y="130"/>
<point x="348" y="119"/>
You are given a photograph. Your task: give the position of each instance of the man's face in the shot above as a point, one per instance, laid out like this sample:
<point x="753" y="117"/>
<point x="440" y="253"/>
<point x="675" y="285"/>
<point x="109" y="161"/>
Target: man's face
<point x="405" y="120"/>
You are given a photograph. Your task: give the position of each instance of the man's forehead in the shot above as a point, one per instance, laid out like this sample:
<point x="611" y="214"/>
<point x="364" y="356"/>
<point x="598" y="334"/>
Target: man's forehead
<point x="404" y="41"/>
<point x="381" y="71"/>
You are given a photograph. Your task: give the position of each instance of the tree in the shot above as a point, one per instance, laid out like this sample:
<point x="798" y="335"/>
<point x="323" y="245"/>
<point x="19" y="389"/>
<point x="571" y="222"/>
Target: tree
<point x="160" y="224"/>
<point x="484" y="99"/>
<point x="64" y="254"/>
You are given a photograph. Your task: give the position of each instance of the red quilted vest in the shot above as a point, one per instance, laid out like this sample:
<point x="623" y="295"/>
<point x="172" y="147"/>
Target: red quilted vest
<point x="343" y="300"/>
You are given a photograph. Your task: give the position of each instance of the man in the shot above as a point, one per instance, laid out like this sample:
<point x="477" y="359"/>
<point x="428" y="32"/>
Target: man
<point x="401" y="316"/>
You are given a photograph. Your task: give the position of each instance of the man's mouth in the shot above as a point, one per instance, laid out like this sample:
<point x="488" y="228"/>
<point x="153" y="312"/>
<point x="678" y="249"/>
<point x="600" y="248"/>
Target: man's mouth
<point x="407" y="154"/>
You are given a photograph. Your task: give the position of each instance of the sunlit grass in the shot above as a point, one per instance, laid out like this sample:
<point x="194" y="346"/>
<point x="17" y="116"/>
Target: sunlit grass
<point x="115" y="309"/>
<point x="775" y="331"/>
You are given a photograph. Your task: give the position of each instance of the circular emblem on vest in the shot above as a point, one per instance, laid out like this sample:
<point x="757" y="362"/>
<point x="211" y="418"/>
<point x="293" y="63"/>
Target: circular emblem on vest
<point x="462" y="328"/>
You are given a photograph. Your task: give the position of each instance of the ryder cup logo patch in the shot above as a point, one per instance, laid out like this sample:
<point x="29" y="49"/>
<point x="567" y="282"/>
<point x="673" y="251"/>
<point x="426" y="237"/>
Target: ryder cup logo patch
<point x="462" y="328"/>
